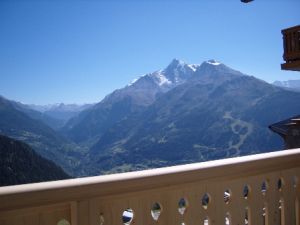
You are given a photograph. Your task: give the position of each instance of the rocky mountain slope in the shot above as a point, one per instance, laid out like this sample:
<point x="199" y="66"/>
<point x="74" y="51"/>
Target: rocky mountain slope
<point x="217" y="112"/>
<point x="90" y="124"/>
<point x="19" y="164"/>
<point x="16" y="124"/>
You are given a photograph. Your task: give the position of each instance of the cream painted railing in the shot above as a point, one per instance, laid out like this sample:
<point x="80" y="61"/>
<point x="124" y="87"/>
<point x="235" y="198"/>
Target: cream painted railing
<point x="258" y="189"/>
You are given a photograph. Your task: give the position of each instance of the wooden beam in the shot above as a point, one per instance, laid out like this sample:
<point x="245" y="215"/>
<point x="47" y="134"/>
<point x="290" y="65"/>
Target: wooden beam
<point x="293" y="66"/>
<point x="246" y="1"/>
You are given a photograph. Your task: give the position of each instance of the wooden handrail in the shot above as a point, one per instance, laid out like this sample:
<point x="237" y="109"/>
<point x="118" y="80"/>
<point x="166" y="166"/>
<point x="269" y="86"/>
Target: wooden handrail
<point x="84" y="200"/>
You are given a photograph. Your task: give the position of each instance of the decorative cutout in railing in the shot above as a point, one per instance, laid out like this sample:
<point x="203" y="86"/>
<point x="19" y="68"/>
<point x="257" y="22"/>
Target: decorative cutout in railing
<point x="156" y="211"/>
<point x="63" y="222"/>
<point x="182" y="205"/>
<point x="253" y="190"/>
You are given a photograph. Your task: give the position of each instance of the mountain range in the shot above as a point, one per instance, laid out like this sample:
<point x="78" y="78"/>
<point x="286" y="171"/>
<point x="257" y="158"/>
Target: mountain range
<point x="54" y="115"/>
<point x="27" y="125"/>
<point x="89" y="125"/>
<point x="214" y="112"/>
<point x="181" y="114"/>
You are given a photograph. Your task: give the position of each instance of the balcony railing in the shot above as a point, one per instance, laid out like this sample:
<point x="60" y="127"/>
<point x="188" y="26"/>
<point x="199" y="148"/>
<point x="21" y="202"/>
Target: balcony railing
<point x="260" y="189"/>
<point x="291" y="45"/>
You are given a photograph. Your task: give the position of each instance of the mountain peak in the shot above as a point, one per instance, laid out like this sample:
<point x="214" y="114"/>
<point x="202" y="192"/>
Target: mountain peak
<point x="213" y="67"/>
<point x="213" y="62"/>
<point x="175" y="63"/>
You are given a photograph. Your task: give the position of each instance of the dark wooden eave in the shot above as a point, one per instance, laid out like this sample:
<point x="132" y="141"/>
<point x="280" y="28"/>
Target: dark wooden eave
<point x="289" y="130"/>
<point x="282" y="127"/>
<point x="293" y="66"/>
<point x="246" y="1"/>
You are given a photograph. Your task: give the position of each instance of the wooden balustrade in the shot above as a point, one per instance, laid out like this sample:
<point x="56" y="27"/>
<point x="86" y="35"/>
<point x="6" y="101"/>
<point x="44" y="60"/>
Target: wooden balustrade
<point x="291" y="46"/>
<point x="260" y="189"/>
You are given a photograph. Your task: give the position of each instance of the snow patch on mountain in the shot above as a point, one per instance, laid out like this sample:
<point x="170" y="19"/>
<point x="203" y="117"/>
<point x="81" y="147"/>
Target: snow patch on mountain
<point x="177" y="72"/>
<point x="136" y="79"/>
<point x="133" y="81"/>
<point x="193" y="66"/>
<point x="160" y="78"/>
<point x="213" y="62"/>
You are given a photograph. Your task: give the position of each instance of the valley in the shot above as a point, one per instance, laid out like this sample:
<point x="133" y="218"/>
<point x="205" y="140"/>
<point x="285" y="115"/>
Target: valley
<point x="182" y="114"/>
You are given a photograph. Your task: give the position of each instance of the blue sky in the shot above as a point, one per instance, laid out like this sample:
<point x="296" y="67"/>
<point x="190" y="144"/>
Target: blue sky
<point x="80" y="51"/>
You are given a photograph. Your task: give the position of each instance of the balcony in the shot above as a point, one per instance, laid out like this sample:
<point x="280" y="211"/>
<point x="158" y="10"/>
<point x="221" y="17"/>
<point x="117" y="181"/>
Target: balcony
<point x="291" y="46"/>
<point x="260" y="189"/>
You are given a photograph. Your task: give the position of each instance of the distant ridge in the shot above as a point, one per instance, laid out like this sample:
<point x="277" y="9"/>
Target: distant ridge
<point x="25" y="125"/>
<point x="289" y="84"/>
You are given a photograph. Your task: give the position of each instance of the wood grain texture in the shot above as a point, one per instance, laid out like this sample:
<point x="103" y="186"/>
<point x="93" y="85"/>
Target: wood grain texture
<point x="86" y="201"/>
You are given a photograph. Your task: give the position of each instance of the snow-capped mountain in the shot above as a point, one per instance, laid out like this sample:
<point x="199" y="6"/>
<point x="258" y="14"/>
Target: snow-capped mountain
<point x="181" y="114"/>
<point x="177" y="72"/>
<point x="131" y="99"/>
<point x="219" y="112"/>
